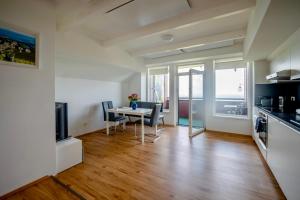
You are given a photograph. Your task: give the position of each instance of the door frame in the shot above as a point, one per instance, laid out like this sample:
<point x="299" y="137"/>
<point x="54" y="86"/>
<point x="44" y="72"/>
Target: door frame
<point x="177" y="85"/>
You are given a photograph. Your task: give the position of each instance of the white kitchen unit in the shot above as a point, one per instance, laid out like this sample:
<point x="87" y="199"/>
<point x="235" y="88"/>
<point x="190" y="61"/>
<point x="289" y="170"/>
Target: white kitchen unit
<point x="68" y="153"/>
<point x="261" y="68"/>
<point x="283" y="157"/>
<point x="281" y="62"/>
<point x="295" y="56"/>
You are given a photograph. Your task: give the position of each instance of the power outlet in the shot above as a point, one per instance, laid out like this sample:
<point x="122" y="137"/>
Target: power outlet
<point x="293" y="98"/>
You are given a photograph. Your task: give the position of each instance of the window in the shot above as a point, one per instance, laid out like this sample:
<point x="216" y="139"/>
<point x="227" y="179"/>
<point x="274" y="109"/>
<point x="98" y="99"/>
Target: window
<point x="186" y="68"/>
<point x="183" y="81"/>
<point x="231" y="88"/>
<point x="158" y="85"/>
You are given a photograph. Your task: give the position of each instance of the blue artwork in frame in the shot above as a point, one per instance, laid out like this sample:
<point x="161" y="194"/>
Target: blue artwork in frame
<point x="18" y="47"/>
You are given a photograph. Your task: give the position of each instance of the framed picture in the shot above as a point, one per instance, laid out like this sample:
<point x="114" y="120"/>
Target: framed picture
<point x="18" y="47"/>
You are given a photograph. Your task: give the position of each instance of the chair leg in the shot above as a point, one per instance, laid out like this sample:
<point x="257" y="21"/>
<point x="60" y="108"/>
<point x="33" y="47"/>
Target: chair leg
<point x="115" y="127"/>
<point x="124" y="124"/>
<point x="163" y="120"/>
<point x="134" y="129"/>
<point x="156" y="130"/>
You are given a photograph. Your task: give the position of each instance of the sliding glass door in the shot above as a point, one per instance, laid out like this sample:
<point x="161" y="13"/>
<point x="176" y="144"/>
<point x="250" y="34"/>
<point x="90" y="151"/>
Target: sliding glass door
<point x="191" y="97"/>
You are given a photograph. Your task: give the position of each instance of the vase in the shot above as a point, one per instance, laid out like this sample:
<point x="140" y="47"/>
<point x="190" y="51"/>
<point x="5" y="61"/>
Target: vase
<point x="133" y="105"/>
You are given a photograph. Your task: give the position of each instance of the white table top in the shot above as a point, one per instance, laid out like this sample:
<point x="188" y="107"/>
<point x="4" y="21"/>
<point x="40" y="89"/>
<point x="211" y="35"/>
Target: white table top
<point x="128" y="110"/>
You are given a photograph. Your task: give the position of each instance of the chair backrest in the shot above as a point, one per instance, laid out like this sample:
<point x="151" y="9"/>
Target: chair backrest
<point x="155" y="115"/>
<point x="147" y="104"/>
<point x="107" y="105"/>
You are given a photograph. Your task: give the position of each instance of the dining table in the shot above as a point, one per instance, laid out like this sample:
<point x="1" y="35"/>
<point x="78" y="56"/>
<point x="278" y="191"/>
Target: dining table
<point x="139" y="112"/>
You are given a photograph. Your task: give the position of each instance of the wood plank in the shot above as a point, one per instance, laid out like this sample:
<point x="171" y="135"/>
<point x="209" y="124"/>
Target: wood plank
<point x="23" y="188"/>
<point x="46" y="189"/>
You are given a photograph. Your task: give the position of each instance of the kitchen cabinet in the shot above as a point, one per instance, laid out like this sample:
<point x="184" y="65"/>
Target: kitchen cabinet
<point x="282" y="61"/>
<point x="295" y="57"/>
<point x="283" y="157"/>
<point x="261" y="68"/>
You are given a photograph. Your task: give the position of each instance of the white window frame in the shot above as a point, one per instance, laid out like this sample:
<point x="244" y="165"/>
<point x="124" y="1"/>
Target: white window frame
<point x="186" y="74"/>
<point x="247" y="92"/>
<point x="148" y="80"/>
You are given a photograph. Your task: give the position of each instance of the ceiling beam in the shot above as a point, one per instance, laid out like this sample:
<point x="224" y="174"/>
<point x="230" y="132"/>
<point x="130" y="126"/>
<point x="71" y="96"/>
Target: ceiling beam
<point x="232" y="51"/>
<point x="183" y="20"/>
<point x="79" y="15"/>
<point x="233" y="35"/>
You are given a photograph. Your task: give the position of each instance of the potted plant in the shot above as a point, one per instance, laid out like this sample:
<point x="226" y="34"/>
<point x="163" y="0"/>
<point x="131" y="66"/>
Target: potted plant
<point x="133" y="98"/>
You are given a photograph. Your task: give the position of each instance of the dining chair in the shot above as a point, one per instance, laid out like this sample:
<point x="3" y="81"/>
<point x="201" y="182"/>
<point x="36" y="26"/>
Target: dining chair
<point x="112" y="117"/>
<point x="152" y="122"/>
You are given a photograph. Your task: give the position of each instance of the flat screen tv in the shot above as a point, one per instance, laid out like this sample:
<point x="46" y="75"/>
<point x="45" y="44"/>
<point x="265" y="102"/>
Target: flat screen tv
<point x="61" y="116"/>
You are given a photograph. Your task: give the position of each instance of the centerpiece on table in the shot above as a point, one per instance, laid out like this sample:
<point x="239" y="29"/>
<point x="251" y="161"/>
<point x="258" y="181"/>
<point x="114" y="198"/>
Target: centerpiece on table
<point x="133" y="98"/>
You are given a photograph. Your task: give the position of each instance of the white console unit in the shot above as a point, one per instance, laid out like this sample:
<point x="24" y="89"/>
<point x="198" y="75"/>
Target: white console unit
<point x="68" y="153"/>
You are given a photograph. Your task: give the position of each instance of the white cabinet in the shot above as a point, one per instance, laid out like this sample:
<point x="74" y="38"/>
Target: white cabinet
<point x="283" y="157"/>
<point x="261" y="68"/>
<point x="282" y="61"/>
<point x="69" y="152"/>
<point x="295" y="58"/>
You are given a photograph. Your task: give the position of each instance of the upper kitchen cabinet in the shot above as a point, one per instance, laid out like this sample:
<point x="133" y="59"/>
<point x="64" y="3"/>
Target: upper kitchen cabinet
<point x="287" y="56"/>
<point x="281" y="62"/>
<point x="295" y="56"/>
<point x="261" y="68"/>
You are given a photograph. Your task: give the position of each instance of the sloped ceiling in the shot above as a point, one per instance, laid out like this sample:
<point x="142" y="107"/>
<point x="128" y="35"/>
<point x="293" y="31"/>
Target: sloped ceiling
<point x="88" y="34"/>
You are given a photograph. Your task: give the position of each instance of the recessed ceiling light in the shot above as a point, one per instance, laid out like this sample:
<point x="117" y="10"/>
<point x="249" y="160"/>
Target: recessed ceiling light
<point x="167" y="37"/>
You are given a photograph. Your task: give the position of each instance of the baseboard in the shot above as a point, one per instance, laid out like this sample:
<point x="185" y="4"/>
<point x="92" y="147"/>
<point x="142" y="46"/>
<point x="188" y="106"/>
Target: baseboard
<point x="224" y="132"/>
<point x="23" y="187"/>
<point x="96" y="131"/>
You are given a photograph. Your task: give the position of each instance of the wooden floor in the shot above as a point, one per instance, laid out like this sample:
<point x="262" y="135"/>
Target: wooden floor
<point x="47" y="189"/>
<point x="209" y="166"/>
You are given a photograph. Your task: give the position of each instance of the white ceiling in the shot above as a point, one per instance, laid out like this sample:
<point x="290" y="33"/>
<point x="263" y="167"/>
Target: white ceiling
<point x="236" y="21"/>
<point x="139" y="25"/>
<point x="133" y="16"/>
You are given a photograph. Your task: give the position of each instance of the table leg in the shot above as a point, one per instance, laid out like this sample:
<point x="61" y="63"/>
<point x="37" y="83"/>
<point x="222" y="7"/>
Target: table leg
<point x="107" y="123"/>
<point x="124" y="123"/>
<point x="143" y="130"/>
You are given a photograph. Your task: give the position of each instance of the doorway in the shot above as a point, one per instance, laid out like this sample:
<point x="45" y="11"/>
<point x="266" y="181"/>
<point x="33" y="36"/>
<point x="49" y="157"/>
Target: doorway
<point x="191" y="104"/>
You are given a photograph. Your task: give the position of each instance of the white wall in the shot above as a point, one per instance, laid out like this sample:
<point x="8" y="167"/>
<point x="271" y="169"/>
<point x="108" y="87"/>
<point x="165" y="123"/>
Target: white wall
<point x="136" y="83"/>
<point x="27" y="129"/>
<point x="84" y="99"/>
<point x="87" y="73"/>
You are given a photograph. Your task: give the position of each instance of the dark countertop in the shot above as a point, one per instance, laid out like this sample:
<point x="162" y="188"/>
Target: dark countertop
<point x="290" y="119"/>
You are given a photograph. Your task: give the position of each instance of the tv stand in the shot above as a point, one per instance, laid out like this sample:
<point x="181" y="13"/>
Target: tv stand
<point x="69" y="152"/>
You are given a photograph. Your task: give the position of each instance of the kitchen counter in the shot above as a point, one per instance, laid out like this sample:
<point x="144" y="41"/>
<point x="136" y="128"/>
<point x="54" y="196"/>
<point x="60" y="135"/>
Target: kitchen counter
<point x="290" y="119"/>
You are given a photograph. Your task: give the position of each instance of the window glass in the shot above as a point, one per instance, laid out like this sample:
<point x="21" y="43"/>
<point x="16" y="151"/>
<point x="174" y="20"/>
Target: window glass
<point x="230" y="83"/>
<point x="231" y="88"/>
<point x="158" y="89"/>
<point x="184" y="87"/>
